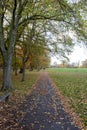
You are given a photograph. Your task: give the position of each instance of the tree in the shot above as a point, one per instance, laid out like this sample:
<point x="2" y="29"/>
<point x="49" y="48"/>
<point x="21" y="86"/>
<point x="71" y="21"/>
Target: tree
<point x="16" y="63"/>
<point x="1" y="62"/>
<point x="80" y="9"/>
<point x="84" y="64"/>
<point x="8" y="40"/>
<point x="39" y="58"/>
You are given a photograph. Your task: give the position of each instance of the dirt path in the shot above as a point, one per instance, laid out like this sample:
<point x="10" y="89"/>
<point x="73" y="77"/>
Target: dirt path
<point x="43" y="110"/>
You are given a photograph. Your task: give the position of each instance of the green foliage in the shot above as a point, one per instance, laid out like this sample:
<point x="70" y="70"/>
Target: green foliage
<point x="80" y="9"/>
<point x="72" y="84"/>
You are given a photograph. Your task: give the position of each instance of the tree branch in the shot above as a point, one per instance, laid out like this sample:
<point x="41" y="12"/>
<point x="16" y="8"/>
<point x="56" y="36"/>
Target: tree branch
<point x="14" y="12"/>
<point x="38" y="17"/>
<point x="2" y="45"/>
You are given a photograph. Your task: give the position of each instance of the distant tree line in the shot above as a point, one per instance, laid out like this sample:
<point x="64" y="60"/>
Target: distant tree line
<point x="70" y="65"/>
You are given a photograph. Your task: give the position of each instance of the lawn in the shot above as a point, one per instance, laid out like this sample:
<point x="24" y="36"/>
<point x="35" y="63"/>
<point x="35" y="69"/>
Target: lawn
<point x="73" y="85"/>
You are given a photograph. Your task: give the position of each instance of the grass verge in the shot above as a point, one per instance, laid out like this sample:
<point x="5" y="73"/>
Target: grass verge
<point x="72" y="83"/>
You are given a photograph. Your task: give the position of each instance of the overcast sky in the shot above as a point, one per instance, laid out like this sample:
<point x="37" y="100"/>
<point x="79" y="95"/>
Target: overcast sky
<point x="79" y="54"/>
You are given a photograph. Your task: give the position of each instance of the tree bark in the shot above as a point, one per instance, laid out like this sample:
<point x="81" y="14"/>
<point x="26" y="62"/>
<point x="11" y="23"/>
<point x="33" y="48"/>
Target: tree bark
<point x="38" y="65"/>
<point x="7" y="70"/>
<point x="16" y="72"/>
<point x="23" y="73"/>
<point x="15" y="64"/>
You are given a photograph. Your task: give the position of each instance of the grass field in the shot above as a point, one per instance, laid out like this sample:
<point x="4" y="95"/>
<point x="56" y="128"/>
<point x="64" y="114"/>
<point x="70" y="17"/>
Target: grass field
<point x="73" y="85"/>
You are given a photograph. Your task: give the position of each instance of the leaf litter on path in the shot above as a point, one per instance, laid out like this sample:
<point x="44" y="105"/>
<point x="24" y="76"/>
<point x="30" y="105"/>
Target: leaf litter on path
<point x="41" y="110"/>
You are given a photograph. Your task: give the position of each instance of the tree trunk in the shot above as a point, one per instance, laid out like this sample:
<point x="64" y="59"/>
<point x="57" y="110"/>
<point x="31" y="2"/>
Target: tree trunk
<point x="7" y="70"/>
<point x="15" y="64"/>
<point x="31" y="67"/>
<point x="16" y="72"/>
<point x="38" y="65"/>
<point x="23" y="73"/>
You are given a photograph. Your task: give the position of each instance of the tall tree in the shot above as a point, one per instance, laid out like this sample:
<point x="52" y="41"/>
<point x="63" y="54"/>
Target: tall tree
<point x="7" y="50"/>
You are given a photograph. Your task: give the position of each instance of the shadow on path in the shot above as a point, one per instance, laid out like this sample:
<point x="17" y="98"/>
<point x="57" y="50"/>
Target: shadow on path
<point x="43" y="110"/>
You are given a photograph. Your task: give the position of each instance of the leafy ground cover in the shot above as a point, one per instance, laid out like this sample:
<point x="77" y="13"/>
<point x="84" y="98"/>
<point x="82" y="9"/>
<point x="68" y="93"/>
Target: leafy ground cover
<point x="73" y="85"/>
<point x="9" y="112"/>
<point x="44" y="99"/>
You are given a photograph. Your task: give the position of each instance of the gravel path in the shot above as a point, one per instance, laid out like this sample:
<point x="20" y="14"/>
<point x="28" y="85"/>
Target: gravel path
<point x="43" y="109"/>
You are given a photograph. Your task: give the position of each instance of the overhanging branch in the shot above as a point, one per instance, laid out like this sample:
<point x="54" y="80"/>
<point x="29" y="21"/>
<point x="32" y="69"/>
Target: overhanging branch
<point x="39" y="17"/>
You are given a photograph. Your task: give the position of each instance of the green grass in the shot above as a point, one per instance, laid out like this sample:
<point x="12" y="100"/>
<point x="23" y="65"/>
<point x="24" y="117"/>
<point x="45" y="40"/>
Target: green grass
<point x="78" y="70"/>
<point x="73" y="85"/>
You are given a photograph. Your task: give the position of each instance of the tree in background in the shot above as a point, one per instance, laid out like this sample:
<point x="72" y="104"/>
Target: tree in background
<point x="1" y="62"/>
<point x="84" y="64"/>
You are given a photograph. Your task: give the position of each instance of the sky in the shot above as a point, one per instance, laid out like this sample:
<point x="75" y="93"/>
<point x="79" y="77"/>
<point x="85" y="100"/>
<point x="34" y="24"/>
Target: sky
<point x="79" y="54"/>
